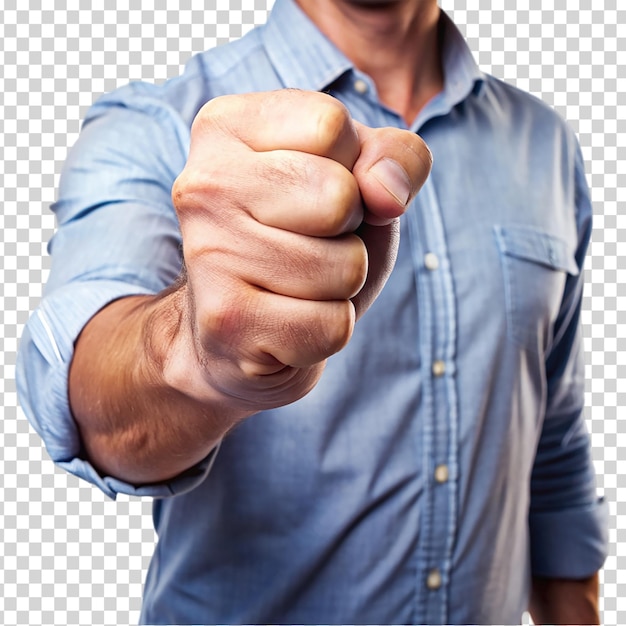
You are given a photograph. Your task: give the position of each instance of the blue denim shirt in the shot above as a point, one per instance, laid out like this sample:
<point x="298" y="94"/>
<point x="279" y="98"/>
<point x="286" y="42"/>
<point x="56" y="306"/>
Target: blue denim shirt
<point x="443" y="457"/>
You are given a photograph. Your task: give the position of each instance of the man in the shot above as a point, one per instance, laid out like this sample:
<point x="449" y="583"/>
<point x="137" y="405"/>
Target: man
<point x="320" y="454"/>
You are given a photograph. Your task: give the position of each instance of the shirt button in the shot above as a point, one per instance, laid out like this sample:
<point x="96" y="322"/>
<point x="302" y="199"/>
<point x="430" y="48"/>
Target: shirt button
<point x="441" y="473"/>
<point x="439" y="368"/>
<point x="433" y="581"/>
<point x="431" y="261"/>
<point x="360" y="86"/>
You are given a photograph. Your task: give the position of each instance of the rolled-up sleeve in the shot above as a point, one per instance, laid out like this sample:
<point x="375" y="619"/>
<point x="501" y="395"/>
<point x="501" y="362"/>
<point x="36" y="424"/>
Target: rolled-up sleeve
<point x="568" y="521"/>
<point x="117" y="236"/>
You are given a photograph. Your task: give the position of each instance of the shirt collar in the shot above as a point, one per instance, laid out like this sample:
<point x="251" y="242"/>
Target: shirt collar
<point x="301" y="55"/>
<point x="461" y="73"/>
<point x="305" y="59"/>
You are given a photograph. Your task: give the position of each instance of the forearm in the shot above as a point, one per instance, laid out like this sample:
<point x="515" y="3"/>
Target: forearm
<point x="560" y="601"/>
<point x="134" y="424"/>
<point x="269" y="293"/>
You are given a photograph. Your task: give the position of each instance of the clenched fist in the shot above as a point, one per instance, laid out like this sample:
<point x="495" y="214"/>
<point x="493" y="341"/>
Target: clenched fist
<point x="289" y="217"/>
<point x="288" y="212"/>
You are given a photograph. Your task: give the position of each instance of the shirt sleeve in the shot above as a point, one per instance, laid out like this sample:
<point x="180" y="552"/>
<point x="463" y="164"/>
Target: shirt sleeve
<point x="117" y="236"/>
<point x="568" y="522"/>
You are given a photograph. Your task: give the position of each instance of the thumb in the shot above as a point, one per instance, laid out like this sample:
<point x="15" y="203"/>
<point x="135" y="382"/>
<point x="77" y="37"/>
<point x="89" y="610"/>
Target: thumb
<point x="391" y="168"/>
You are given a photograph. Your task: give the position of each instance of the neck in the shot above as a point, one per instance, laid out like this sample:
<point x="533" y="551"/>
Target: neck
<point x="395" y="42"/>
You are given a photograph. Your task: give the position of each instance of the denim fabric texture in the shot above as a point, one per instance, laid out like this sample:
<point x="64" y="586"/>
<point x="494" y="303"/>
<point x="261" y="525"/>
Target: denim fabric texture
<point x="443" y="457"/>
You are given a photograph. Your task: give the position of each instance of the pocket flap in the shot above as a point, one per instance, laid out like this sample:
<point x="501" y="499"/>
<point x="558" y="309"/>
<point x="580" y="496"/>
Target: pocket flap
<point x="536" y="246"/>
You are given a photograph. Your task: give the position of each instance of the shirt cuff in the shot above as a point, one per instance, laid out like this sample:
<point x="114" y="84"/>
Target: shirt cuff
<point x="572" y="543"/>
<point x="42" y="369"/>
<point x="111" y="486"/>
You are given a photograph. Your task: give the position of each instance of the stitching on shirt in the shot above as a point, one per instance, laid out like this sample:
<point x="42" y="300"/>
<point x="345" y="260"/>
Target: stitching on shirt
<point x="48" y="329"/>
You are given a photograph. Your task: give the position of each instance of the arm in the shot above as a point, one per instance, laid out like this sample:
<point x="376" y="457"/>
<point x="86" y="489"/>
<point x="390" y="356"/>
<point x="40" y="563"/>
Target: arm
<point x="268" y="293"/>
<point x="567" y="521"/>
<point x="133" y="425"/>
<point x="561" y="601"/>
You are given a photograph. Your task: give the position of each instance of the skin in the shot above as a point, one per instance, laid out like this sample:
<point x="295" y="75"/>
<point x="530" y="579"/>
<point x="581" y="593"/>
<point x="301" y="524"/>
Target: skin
<point x="268" y="293"/>
<point x="406" y="67"/>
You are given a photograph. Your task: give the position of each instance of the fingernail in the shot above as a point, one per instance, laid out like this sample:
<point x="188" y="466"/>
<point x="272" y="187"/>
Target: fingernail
<point x="392" y="176"/>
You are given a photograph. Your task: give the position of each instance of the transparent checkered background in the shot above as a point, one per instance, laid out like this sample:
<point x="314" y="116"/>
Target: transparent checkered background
<point x="70" y="556"/>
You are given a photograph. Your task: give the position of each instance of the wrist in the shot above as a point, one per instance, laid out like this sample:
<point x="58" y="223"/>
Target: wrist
<point x="563" y="601"/>
<point x="218" y="376"/>
<point x="171" y="359"/>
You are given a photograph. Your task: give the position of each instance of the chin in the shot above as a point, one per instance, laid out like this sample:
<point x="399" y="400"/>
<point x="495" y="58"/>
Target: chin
<point x="374" y="3"/>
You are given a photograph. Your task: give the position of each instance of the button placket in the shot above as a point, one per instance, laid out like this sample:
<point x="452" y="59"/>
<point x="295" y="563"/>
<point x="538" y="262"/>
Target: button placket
<point x="433" y="580"/>
<point x="438" y="368"/>
<point x="437" y="327"/>
<point x="360" y="86"/>
<point x="442" y="474"/>
<point x="431" y="261"/>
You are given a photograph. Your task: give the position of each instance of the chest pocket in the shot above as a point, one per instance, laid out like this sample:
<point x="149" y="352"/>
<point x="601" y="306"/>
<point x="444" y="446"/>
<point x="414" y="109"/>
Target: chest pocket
<point x="535" y="265"/>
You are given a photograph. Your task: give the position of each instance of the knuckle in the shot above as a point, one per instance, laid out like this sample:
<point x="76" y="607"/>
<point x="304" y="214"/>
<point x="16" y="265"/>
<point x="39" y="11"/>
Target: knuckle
<point x="198" y="191"/>
<point x="339" y="208"/>
<point x="339" y="326"/>
<point x="213" y="113"/>
<point x="185" y="189"/>
<point x="333" y="121"/>
<point x="330" y="221"/>
<point x="179" y="190"/>
<point x="312" y="337"/>
<point x="220" y="320"/>
<point x="354" y="269"/>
